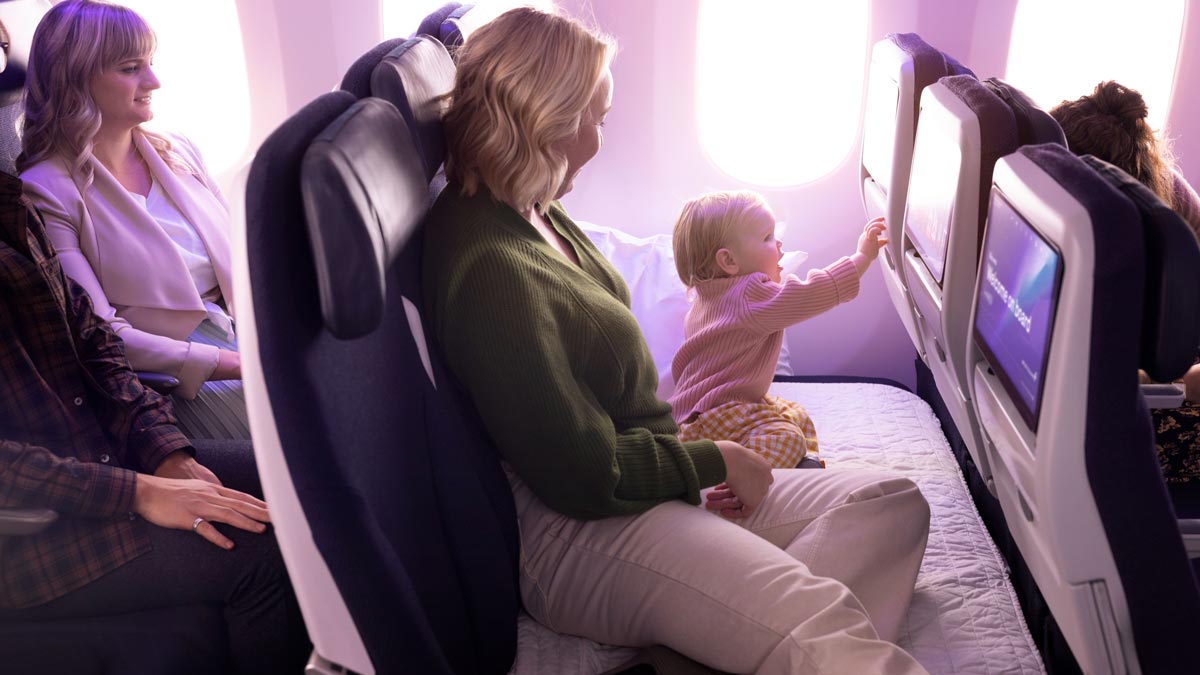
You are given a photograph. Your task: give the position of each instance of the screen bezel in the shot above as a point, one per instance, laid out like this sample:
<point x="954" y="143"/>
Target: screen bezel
<point x="1030" y="416"/>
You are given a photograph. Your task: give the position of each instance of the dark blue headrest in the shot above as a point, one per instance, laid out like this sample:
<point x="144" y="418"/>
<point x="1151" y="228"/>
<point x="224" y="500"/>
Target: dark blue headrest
<point x="1034" y="125"/>
<point x="450" y="34"/>
<point x="357" y="80"/>
<point x="414" y="77"/>
<point x="929" y="64"/>
<point x="1171" y="314"/>
<point x="364" y="193"/>
<point x="432" y="24"/>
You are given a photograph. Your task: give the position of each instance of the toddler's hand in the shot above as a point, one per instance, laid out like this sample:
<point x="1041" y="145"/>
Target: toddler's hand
<point x="873" y="238"/>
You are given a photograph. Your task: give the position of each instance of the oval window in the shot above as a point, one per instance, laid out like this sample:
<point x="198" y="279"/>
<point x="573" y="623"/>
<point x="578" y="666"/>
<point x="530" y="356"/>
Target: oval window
<point x="779" y="86"/>
<point x="201" y="65"/>
<point x="1060" y="50"/>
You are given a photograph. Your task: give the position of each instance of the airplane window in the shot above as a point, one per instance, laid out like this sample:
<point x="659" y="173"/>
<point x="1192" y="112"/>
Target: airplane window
<point x="1061" y="50"/>
<point x="200" y="62"/>
<point x="778" y="97"/>
<point x="402" y="17"/>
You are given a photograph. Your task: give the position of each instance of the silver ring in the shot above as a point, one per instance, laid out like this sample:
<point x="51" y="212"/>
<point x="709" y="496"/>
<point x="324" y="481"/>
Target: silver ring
<point x="196" y="523"/>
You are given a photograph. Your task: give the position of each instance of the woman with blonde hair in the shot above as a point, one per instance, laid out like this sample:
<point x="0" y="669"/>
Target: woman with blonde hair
<point x="134" y="215"/>
<point x="784" y="571"/>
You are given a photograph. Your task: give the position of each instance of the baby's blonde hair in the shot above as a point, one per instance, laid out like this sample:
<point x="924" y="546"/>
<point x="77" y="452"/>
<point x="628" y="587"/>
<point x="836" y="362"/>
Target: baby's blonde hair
<point x="704" y="228"/>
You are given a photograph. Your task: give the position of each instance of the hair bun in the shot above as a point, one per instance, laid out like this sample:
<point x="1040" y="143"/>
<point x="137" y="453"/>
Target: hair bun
<point x="1112" y="98"/>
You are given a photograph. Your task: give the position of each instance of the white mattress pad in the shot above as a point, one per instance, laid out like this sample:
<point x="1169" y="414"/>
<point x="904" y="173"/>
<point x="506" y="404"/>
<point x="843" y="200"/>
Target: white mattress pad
<point x="964" y="616"/>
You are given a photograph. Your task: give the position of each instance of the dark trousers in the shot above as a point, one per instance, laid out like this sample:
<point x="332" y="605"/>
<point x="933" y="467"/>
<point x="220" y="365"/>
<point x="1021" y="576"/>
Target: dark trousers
<point x="249" y="586"/>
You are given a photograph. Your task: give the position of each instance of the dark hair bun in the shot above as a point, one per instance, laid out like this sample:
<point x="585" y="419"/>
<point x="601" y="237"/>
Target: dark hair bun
<point x="1111" y="98"/>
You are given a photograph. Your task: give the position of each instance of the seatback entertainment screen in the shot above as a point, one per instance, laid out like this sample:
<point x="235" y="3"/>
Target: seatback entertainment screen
<point x="1020" y="274"/>
<point x="937" y="161"/>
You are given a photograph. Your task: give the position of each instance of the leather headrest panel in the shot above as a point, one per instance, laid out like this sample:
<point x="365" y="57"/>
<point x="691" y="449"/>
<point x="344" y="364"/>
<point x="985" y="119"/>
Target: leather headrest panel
<point x="1034" y="125"/>
<point x="413" y="77"/>
<point x="365" y="193"/>
<point x="1171" y="311"/>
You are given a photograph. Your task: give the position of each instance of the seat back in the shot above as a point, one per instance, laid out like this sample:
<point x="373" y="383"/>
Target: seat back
<point x="966" y="126"/>
<point x="20" y="18"/>
<point x="267" y="223"/>
<point x="902" y="65"/>
<point x="400" y="488"/>
<point x="12" y="80"/>
<point x="413" y="77"/>
<point x="1058" y="298"/>
<point x="1171" y="314"/>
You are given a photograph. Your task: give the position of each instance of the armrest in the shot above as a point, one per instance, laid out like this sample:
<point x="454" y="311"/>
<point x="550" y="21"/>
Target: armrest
<point x="25" y="521"/>
<point x="163" y="384"/>
<point x="1163" y="395"/>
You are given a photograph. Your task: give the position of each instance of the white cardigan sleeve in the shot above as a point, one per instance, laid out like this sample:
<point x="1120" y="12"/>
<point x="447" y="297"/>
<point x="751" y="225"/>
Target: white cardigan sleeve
<point x="189" y="362"/>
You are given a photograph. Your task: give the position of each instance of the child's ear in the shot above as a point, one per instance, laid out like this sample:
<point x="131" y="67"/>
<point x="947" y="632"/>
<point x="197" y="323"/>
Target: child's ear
<point x="726" y="262"/>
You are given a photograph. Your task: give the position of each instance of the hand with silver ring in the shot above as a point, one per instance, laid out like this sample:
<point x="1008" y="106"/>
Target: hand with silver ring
<point x="185" y="503"/>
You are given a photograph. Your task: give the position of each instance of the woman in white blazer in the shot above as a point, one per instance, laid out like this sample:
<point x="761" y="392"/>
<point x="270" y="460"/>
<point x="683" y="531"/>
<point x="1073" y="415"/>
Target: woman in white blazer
<point x="134" y="215"/>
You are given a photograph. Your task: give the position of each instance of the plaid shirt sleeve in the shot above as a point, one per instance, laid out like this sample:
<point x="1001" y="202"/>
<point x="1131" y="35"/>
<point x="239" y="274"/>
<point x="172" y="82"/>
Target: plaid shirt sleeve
<point x="36" y="477"/>
<point x="152" y="432"/>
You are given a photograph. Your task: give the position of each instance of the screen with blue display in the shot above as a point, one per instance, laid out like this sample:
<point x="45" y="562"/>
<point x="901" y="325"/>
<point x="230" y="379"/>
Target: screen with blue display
<point x="1019" y="278"/>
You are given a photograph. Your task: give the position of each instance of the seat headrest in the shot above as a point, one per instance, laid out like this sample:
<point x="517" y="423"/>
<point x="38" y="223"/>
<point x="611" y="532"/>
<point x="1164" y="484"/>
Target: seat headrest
<point x="450" y="32"/>
<point x="365" y="194"/>
<point x="929" y="63"/>
<point x="997" y="128"/>
<point x="432" y="24"/>
<point x="1171" y="311"/>
<point x="413" y="77"/>
<point x="1034" y="125"/>
<point x="357" y="79"/>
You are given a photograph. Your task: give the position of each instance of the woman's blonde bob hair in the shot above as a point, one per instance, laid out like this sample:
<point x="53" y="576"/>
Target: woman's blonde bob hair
<point x="523" y="82"/>
<point x="705" y="226"/>
<point x="75" y="41"/>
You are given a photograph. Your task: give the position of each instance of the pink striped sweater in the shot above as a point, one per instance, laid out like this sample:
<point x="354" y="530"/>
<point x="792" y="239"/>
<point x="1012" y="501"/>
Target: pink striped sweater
<point x="733" y="332"/>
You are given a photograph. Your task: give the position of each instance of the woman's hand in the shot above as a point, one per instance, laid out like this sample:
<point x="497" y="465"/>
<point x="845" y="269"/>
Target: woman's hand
<point x="177" y="503"/>
<point x="180" y="464"/>
<point x="873" y="238"/>
<point x="229" y="366"/>
<point x="747" y="479"/>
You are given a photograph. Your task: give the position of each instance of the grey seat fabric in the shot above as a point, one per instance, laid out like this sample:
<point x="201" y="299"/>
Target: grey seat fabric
<point x="11" y="111"/>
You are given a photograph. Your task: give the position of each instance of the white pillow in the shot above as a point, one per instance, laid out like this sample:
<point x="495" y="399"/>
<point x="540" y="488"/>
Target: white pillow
<point x="659" y="299"/>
